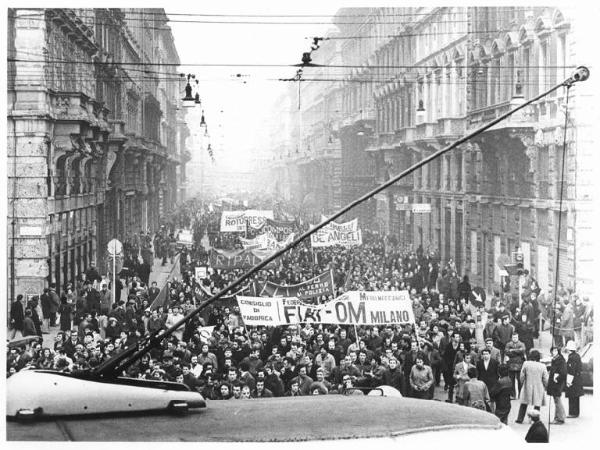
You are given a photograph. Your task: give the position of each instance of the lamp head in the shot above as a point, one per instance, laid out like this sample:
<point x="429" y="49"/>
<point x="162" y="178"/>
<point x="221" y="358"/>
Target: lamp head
<point x="582" y="73"/>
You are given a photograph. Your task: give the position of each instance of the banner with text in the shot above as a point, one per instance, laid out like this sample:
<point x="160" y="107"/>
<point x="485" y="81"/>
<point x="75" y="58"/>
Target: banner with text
<point x="239" y="259"/>
<point x="320" y="285"/>
<point x="265" y="241"/>
<point x="281" y="229"/>
<point x="351" y="308"/>
<point x="346" y="234"/>
<point x="233" y="221"/>
<point x="256" y="218"/>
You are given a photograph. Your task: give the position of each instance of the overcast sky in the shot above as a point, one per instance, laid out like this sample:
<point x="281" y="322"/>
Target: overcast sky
<point x="239" y="128"/>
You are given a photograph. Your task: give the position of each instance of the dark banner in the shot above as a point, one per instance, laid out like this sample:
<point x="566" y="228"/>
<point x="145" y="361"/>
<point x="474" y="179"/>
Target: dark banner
<point x="315" y="287"/>
<point x="239" y="259"/>
<point x="279" y="228"/>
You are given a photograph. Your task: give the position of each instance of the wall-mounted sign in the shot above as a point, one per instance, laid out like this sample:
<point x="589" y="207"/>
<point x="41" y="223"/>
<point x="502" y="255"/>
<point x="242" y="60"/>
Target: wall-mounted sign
<point x="25" y="230"/>
<point x="421" y="208"/>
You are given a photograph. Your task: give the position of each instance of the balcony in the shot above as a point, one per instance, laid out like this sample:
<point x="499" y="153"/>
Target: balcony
<point x="426" y="130"/>
<point x="355" y="117"/>
<point x="525" y="118"/>
<point x="451" y="127"/>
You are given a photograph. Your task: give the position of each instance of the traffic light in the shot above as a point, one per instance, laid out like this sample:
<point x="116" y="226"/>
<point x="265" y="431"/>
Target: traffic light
<point x="518" y="260"/>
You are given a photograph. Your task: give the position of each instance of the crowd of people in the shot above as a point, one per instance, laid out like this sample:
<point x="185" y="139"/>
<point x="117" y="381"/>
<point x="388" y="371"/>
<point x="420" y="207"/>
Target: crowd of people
<point x="481" y="351"/>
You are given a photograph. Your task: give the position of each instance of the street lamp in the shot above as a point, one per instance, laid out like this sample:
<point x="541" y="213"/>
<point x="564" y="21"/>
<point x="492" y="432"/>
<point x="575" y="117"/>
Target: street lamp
<point x="197" y="98"/>
<point x="188" y="100"/>
<point x="421" y="110"/>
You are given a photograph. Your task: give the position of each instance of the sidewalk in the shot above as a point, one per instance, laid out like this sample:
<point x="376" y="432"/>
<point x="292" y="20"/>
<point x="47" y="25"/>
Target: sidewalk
<point x="160" y="274"/>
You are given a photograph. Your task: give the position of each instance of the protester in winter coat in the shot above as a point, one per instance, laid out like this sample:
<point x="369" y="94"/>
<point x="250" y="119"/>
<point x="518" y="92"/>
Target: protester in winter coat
<point x="487" y="369"/>
<point x="574" y="386"/>
<point x="17" y="316"/>
<point x="475" y="393"/>
<point x="557" y="378"/>
<point x="537" y="431"/>
<point x="534" y="379"/>
<point x="29" y="328"/>
<point x="514" y="354"/>
<point x="421" y="378"/>
<point x="392" y="376"/>
<point x="461" y="374"/>
<point x="501" y="393"/>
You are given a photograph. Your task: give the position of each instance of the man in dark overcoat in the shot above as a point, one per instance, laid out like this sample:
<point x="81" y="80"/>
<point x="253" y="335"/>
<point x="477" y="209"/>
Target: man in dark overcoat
<point x="574" y="388"/>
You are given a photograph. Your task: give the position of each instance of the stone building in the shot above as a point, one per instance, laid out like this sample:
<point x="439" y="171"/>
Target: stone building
<point x="419" y="78"/>
<point x="513" y="171"/>
<point x="421" y="106"/>
<point x="499" y="193"/>
<point x="94" y="136"/>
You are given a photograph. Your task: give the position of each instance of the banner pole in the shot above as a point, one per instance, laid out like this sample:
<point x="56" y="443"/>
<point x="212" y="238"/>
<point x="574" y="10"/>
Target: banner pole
<point x="114" y="284"/>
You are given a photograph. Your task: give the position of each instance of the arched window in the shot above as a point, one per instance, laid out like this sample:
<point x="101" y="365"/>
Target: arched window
<point x="89" y="180"/>
<point x="495" y="73"/>
<point x="75" y="176"/>
<point x="523" y="74"/>
<point x="60" y="178"/>
<point x="561" y="27"/>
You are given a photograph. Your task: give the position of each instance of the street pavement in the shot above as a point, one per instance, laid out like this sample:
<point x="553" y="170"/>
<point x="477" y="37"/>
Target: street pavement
<point x="161" y="274"/>
<point x="573" y="431"/>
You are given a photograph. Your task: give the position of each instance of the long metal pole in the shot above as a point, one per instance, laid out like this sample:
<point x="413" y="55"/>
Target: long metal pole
<point x="113" y="367"/>
<point x="114" y="276"/>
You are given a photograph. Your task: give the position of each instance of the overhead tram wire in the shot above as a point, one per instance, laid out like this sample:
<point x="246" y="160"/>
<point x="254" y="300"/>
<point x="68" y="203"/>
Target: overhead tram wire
<point x="222" y="22"/>
<point x="114" y="366"/>
<point x="412" y="14"/>
<point x="334" y="66"/>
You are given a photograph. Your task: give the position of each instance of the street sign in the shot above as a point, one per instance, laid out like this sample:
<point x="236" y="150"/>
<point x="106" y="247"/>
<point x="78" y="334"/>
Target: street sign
<point x="115" y="247"/>
<point x="201" y="272"/>
<point x="421" y="208"/>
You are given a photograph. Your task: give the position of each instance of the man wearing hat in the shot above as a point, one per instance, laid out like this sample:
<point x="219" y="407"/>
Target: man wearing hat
<point x="537" y="431"/>
<point x="574" y="388"/>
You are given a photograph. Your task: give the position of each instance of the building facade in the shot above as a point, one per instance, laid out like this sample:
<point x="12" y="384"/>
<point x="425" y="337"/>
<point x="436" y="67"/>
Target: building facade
<point x="94" y="137"/>
<point x="498" y="193"/>
<point x="417" y="79"/>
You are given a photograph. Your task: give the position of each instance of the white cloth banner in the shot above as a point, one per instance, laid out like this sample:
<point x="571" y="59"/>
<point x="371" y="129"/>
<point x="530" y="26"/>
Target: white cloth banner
<point x="233" y="221"/>
<point x="266" y="241"/>
<point x="346" y="234"/>
<point x="257" y="218"/>
<point x="351" y="308"/>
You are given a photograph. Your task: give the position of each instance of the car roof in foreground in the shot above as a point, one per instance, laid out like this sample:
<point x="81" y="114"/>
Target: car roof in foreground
<point x="271" y="420"/>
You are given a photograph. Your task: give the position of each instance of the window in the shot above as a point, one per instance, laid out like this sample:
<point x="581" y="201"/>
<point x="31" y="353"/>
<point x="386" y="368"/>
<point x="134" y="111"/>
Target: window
<point x="481" y="87"/>
<point x="509" y="90"/>
<point x="524" y="73"/>
<point x="132" y="113"/>
<point x="542" y="172"/>
<point x="561" y="56"/>
<point x="495" y="82"/>
<point x="543" y="61"/>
